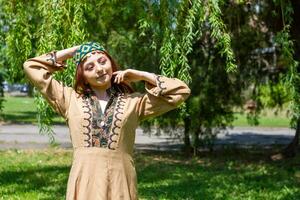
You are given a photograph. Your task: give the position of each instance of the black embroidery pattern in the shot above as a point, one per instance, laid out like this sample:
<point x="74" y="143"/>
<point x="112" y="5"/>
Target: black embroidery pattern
<point x="160" y="82"/>
<point x="102" y="121"/>
<point x="116" y="128"/>
<point x="88" y="111"/>
<point x="52" y="57"/>
<point x="98" y="124"/>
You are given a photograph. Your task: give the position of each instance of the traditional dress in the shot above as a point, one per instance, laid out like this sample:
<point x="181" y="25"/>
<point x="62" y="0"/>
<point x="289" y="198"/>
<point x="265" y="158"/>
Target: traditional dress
<point x="103" y="141"/>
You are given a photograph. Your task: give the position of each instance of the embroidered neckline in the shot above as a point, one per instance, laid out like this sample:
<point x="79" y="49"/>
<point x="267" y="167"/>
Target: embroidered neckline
<point x="100" y="122"/>
<point x="119" y="110"/>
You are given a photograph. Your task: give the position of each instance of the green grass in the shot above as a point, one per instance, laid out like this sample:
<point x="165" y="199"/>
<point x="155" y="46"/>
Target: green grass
<point x="270" y="120"/>
<point x="227" y="174"/>
<point x="22" y="110"/>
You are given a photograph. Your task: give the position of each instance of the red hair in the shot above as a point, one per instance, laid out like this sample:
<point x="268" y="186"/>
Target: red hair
<point x="84" y="89"/>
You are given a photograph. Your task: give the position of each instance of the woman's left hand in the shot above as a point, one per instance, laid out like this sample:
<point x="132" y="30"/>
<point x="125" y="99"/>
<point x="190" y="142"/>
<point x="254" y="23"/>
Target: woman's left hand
<point x="128" y="76"/>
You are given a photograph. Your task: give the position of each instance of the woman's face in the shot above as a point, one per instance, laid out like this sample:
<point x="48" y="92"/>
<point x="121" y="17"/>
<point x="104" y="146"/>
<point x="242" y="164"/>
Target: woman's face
<point x="97" y="70"/>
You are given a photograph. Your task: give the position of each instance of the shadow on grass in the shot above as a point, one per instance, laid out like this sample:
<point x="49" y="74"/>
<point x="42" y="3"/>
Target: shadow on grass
<point x="27" y="117"/>
<point x="20" y="117"/>
<point x="230" y="175"/>
<point x="50" y="181"/>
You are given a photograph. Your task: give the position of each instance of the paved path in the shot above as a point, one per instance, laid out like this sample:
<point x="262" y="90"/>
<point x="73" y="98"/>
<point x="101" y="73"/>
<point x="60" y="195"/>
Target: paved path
<point x="26" y="136"/>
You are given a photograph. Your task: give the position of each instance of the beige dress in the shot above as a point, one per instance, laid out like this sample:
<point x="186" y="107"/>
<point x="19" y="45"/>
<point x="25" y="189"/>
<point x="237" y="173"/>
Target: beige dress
<point x="103" y="168"/>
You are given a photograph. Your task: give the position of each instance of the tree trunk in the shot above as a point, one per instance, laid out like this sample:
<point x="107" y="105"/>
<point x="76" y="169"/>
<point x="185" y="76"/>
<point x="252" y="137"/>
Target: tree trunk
<point x="291" y="149"/>
<point x="295" y="31"/>
<point x="196" y="140"/>
<point x="187" y="141"/>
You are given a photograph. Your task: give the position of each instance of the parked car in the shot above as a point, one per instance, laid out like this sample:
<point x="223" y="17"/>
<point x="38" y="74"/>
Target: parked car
<point x="24" y="89"/>
<point x="13" y="88"/>
<point x="5" y="86"/>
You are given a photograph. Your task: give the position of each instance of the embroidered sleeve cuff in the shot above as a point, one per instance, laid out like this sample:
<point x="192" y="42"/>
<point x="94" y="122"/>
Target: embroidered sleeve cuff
<point x="49" y="59"/>
<point x="172" y="90"/>
<point x="160" y="87"/>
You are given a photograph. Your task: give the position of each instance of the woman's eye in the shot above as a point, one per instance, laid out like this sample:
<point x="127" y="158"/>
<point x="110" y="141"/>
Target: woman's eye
<point x="102" y="61"/>
<point x="90" y="67"/>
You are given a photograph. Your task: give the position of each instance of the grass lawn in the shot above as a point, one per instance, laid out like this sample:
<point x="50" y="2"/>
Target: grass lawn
<point x="23" y="110"/>
<point x="227" y="174"/>
<point x="265" y="120"/>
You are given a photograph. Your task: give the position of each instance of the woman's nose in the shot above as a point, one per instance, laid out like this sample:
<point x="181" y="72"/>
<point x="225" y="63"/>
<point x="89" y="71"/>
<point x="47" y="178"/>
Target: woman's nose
<point x="99" y="68"/>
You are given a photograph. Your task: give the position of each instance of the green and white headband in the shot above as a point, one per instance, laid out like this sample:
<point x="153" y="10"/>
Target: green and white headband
<point x="86" y="48"/>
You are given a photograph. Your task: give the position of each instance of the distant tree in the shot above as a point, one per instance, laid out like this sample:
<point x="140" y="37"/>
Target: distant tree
<point x="266" y="44"/>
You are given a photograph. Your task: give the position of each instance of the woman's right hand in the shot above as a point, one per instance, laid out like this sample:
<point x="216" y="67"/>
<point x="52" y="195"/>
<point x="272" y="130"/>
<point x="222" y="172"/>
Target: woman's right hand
<point x="65" y="54"/>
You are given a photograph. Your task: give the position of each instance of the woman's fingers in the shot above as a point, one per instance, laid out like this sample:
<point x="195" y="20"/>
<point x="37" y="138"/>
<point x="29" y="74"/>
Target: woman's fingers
<point x="118" y="78"/>
<point x="116" y="74"/>
<point x="121" y="76"/>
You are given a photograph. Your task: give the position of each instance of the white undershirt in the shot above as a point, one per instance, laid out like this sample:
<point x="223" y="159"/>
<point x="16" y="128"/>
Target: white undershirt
<point x="103" y="104"/>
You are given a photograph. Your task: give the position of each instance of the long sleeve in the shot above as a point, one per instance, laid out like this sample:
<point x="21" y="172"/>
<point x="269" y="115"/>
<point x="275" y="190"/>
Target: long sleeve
<point x="39" y="71"/>
<point x="166" y="96"/>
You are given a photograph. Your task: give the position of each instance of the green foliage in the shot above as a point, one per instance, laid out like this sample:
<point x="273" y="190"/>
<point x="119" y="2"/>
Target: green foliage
<point x="218" y="31"/>
<point x="275" y="95"/>
<point x="1" y="93"/>
<point x="18" y="39"/>
<point x="180" y="56"/>
<point x="169" y="28"/>
<point x="2" y="57"/>
<point x="177" y="44"/>
<point x="292" y="78"/>
<point x="262" y="61"/>
<point x="62" y="25"/>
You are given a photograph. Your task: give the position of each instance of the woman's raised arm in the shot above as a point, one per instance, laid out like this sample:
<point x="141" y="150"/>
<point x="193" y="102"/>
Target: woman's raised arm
<point x="39" y="71"/>
<point x="165" y="95"/>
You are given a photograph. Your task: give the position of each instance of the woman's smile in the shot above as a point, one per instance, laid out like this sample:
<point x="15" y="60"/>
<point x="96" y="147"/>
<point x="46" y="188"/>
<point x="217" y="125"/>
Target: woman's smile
<point x="101" y="76"/>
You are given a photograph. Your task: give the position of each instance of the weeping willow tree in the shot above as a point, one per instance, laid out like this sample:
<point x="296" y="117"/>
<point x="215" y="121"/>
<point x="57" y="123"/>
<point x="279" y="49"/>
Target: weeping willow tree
<point x="286" y="38"/>
<point x="185" y="30"/>
<point x="264" y="35"/>
<point x="37" y="27"/>
<point x="61" y="23"/>
<point x="2" y="60"/>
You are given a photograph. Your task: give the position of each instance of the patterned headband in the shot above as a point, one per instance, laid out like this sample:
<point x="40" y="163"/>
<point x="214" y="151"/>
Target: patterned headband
<point x="86" y="48"/>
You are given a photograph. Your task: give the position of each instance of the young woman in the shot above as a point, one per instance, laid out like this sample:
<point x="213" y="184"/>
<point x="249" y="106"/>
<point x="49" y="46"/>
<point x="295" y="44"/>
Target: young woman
<point x="102" y="113"/>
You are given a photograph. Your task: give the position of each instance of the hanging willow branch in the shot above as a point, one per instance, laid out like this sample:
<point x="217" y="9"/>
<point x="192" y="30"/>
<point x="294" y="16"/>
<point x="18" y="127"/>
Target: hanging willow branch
<point x="60" y="29"/>
<point x="184" y="47"/>
<point x="218" y="29"/>
<point x="285" y="43"/>
<point x="62" y="24"/>
<point x="167" y="61"/>
<point x="176" y="47"/>
<point x="18" y="39"/>
<point x="49" y="37"/>
<point x="177" y="44"/>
